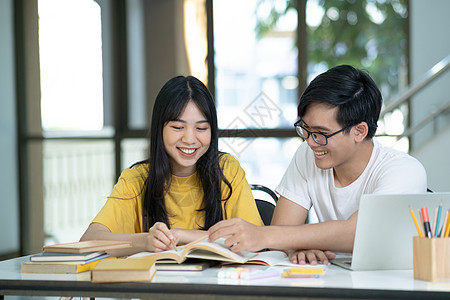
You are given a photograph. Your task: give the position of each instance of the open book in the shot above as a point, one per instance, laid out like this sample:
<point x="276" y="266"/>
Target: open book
<point x="218" y="251"/>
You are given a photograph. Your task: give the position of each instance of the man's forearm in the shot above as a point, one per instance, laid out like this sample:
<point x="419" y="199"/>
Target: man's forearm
<point x="332" y="235"/>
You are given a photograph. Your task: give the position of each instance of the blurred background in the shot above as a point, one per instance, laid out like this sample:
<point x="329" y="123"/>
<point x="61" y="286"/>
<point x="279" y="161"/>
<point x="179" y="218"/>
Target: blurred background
<point x="78" y="79"/>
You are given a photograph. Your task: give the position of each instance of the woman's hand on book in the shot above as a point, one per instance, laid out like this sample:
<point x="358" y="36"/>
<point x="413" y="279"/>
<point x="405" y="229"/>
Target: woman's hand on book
<point x="186" y="236"/>
<point x="160" y="238"/>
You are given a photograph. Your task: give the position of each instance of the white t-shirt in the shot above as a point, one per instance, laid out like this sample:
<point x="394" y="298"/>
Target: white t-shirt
<point x="388" y="172"/>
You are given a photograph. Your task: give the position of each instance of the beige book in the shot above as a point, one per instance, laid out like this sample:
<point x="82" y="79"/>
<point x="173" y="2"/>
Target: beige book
<point x="87" y="246"/>
<point x="124" y="270"/>
<point x="57" y="267"/>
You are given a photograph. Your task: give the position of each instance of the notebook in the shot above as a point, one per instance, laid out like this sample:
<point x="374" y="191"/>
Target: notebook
<point x="385" y="230"/>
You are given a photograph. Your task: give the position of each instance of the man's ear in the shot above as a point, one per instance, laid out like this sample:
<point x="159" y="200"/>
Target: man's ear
<point x="360" y="131"/>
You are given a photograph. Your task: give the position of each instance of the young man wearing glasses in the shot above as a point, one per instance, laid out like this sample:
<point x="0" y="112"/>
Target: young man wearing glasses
<point x="338" y="163"/>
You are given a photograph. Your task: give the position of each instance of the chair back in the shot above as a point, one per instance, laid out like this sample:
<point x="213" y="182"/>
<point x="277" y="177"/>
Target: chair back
<point x="266" y="200"/>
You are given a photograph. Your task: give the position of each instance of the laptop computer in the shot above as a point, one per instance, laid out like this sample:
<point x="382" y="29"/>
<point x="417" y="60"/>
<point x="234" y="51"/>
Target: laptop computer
<point x="385" y="230"/>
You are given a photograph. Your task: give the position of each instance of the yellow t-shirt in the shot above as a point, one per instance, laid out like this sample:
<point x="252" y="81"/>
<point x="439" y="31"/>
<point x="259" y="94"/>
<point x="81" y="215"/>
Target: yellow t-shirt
<point x="122" y="212"/>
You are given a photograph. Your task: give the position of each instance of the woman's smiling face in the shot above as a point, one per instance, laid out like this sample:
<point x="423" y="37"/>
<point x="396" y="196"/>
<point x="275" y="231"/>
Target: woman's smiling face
<point x="186" y="139"/>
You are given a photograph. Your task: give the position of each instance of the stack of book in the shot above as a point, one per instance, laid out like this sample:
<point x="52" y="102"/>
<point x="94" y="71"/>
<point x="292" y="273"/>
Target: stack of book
<point x="71" y="258"/>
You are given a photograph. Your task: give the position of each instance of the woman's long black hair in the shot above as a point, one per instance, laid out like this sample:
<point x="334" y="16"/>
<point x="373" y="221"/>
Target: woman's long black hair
<point x="169" y="105"/>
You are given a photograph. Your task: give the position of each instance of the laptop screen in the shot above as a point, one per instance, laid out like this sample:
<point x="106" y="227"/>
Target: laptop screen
<point x="385" y="229"/>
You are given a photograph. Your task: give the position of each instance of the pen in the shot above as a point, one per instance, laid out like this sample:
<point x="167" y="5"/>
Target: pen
<point x="303" y="273"/>
<point x="442" y="231"/>
<point x="174" y="246"/>
<point x="438" y="219"/>
<point x="415" y="222"/>
<point x="288" y="275"/>
<point x="433" y="226"/>
<point x="426" y="223"/>
<point x="306" y="271"/>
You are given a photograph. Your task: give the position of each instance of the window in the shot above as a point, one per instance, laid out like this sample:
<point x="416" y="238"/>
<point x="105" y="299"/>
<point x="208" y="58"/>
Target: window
<point x="256" y="72"/>
<point x="78" y="173"/>
<point x="369" y="35"/>
<point x="71" y="65"/>
<point x="256" y="59"/>
<point x="256" y="84"/>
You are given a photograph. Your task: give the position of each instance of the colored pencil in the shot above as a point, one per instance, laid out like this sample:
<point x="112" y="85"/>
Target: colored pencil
<point x="441" y="232"/>
<point x="447" y="227"/>
<point x="438" y="219"/>
<point x="433" y="227"/>
<point x="415" y="222"/>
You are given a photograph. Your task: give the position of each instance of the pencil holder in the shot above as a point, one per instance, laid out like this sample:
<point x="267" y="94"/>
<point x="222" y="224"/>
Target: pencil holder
<point x="431" y="258"/>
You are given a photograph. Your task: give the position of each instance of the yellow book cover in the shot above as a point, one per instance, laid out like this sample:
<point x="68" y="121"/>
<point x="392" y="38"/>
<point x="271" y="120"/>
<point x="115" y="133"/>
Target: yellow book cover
<point x="124" y="270"/>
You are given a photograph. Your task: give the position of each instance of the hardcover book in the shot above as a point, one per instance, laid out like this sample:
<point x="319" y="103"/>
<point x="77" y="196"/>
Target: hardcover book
<point x="58" y="267"/>
<point x="79" y="257"/>
<point x="124" y="270"/>
<point x="87" y="246"/>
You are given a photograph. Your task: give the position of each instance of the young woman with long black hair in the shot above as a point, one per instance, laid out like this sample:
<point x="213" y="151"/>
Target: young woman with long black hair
<point x="186" y="186"/>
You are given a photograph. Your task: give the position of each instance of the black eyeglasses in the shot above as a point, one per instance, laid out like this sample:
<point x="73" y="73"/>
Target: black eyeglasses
<point x="319" y="138"/>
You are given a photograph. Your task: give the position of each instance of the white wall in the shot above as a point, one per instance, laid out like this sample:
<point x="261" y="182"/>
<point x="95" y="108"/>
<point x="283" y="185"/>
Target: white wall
<point x="9" y="198"/>
<point x="430" y="43"/>
<point x="434" y="156"/>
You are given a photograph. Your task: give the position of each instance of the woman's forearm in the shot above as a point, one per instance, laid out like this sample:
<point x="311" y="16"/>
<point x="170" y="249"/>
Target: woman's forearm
<point x="100" y="232"/>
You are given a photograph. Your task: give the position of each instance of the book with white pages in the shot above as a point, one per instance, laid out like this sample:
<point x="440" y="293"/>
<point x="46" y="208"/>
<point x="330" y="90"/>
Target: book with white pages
<point x="217" y="250"/>
<point x="56" y="256"/>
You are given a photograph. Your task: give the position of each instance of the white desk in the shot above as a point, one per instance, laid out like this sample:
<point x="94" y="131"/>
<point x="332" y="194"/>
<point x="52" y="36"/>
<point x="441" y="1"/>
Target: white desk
<point x="337" y="283"/>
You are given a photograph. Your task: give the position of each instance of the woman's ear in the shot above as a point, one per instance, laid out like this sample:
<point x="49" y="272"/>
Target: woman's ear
<point x="360" y="131"/>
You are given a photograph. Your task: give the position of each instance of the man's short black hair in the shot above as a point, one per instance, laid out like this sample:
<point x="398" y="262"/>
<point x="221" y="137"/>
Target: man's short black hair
<point x="352" y="91"/>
